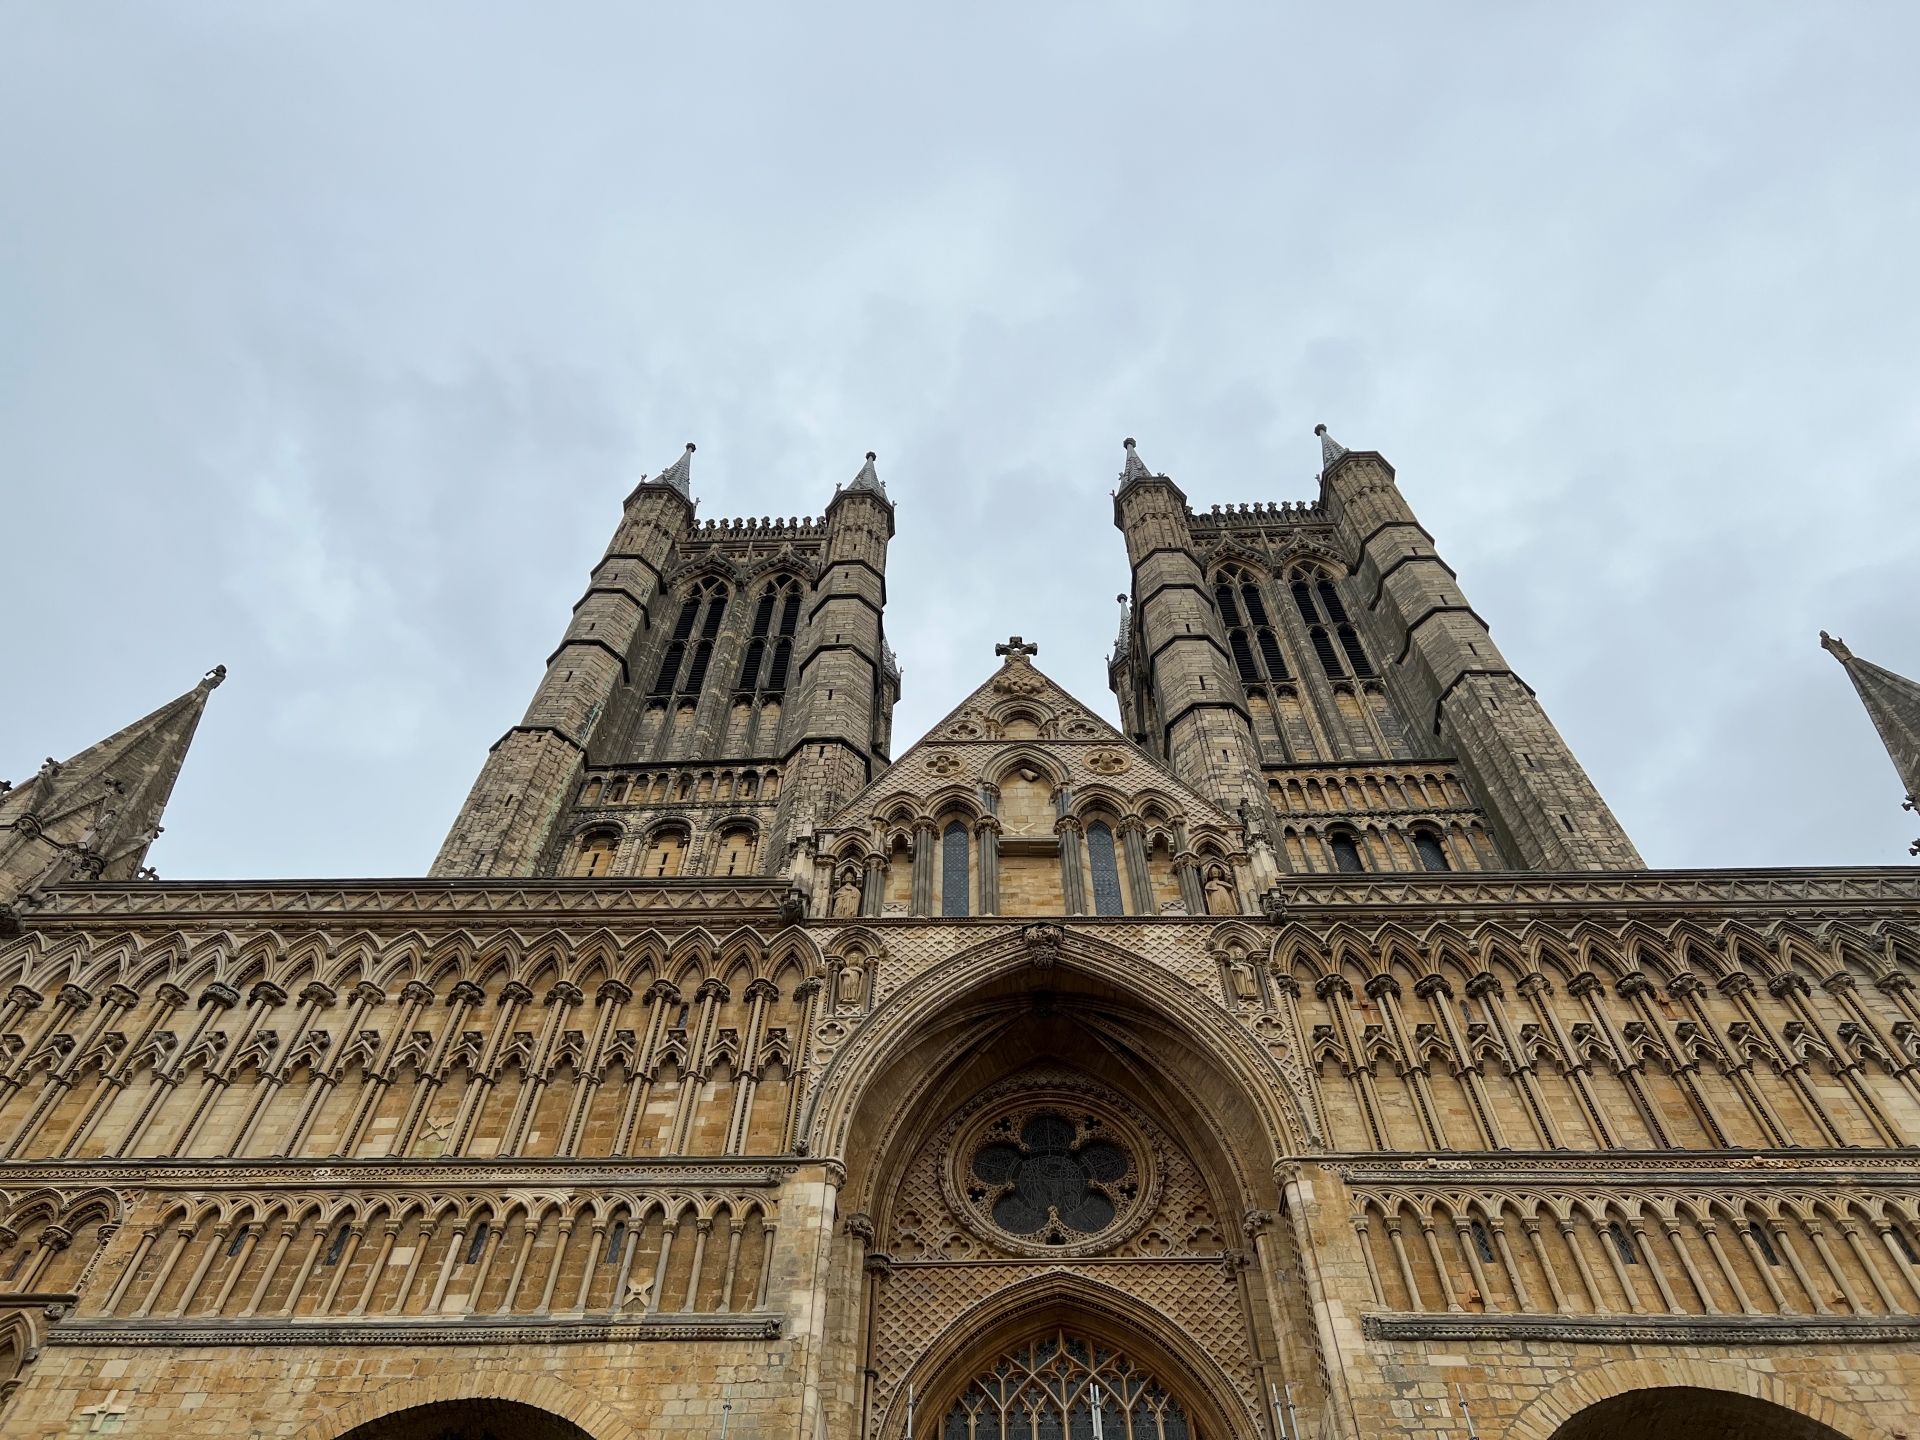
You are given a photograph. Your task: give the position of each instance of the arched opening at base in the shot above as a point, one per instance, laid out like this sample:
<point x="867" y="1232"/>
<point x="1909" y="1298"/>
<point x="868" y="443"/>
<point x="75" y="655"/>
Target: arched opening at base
<point x="1683" y="1412"/>
<point x="469" y="1420"/>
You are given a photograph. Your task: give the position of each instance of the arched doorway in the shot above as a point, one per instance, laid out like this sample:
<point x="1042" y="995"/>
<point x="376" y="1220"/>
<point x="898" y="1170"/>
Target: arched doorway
<point x="1684" y="1412"/>
<point x="1051" y="1387"/>
<point x="469" y="1420"/>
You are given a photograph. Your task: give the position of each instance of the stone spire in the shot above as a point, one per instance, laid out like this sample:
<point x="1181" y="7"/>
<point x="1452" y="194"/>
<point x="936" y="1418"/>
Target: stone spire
<point x="680" y="473"/>
<point x="868" y="478"/>
<point x="94" y="817"/>
<point x="1893" y="703"/>
<point x="1330" y="448"/>
<point x="1135" y="470"/>
<point x="1122" y="643"/>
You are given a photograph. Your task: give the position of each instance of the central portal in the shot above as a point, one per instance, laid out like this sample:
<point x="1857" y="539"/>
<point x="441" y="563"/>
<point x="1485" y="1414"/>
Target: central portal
<point x="1064" y="1387"/>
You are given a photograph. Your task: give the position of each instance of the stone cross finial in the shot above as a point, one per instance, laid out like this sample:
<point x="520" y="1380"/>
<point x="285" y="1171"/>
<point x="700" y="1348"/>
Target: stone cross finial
<point x="1837" y="648"/>
<point x="1016" y="649"/>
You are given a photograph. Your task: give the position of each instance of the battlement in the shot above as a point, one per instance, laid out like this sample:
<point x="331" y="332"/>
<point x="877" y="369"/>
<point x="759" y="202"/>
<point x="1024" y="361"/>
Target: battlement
<point x="1284" y="512"/>
<point x="765" y="528"/>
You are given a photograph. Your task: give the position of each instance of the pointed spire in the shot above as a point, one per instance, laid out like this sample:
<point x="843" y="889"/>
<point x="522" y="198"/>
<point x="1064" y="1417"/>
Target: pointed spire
<point x="680" y="473"/>
<point x="1124" y="642"/>
<point x="1330" y="448"/>
<point x="1135" y="469"/>
<point x="869" y="478"/>
<point x="1893" y="704"/>
<point x="94" y="817"/>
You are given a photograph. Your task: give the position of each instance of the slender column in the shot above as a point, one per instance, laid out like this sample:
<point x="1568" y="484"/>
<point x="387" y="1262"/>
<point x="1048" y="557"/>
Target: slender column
<point x="1440" y="1264"/>
<point x="1817" y="1232"/>
<point x="1470" y="1250"/>
<point x="735" y="1228"/>
<point x="314" y="998"/>
<point x="490" y="1247"/>
<point x="1861" y="1253"/>
<point x="760" y="994"/>
<point x="1792" y="989"/>
<point x="421" y="1245"/>
<point x="528" y="1228"/>
<point x="1677" y="1238"/>
<point x="1539" y="1242"/>
<point x="1133" y="845"/>
<point x="113" y="1079"/>
<point x="1690" y="990"/>
<point x="340" y="1268"/>
<point x="1434" y="989"/>
<point x="612" y="997"/>
<point x="1654" y="1267"/>
<point x="662" y="996"/>
<point x="1394" y="1226"/>
<point x="986" y="835"/>
<point x="120" y="1286"/>
<point x="598" y="1239"/>
<point x="1499" y="1228"/>
<point x="1360" y="1228"/>
<point x="668" y="1229"/>
<point x="1334" y="991"/>
<point x="923" y="849"/>
<point x="1073" y="880"/>
<point x="379" y="1075"/>
<point x="1486" y="988"/>
<point x="447" y="1262"/>
<point x="1783" y="1242"/>
<point x="617" y="1301"/>
<point x="537" y="1074"/>
<point x="323" y="1079"/>
<point x="181" y="1236"/>
<point x="1763" y="1269"/>
<point x="1610" y="1247"/>
<point x="711" y="995"/>
<point x="70" y="1000"/>
<point x="1588" y="987"/>
<point x="388" y="1234"/>
<point x="1570" y="1231"/>
<point x="60" y="1079"/>
<point x="1904" y="1265"/>
<point x="766" y="1264"/>
<point x="1385" y="990"/>
<point x="553" y="1269"/>
<point x="215" y="1000"/>
<point x="873" y="885"/>
<point x="53" y="1241"/>
<point x="1537" y="988"/>
<point x="807" y="992"/>
<point x="287" y="1231"/>
<point x="1638" y="991"/>
<point x="701" y="1228"/>
<point x="462" y="999"/>
<point x="294" y="1291"/>
<point x="513" y="998"/>
<point x="216" y="1242"/>
<point x="1738" y="986"/>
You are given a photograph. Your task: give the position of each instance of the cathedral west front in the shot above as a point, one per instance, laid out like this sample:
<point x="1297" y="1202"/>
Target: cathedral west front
<point x="1310" y="1056"/>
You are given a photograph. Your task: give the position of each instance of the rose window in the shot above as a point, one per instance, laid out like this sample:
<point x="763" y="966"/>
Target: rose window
<point x="1055" y="1180"/>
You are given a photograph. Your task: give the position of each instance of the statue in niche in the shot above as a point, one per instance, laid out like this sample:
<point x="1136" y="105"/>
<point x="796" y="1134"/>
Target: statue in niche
<point x="1219" y="893"/>
<point x="853" y="982"/>
<point x="1246" y="985"/>
<point x="846" y="898"/>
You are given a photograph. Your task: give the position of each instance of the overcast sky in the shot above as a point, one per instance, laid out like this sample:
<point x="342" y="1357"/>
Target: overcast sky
<point x="332" y="335"/>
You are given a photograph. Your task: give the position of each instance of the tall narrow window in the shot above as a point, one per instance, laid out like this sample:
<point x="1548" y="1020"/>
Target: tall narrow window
<point x="1427" y="846"/>
<point x="677" y="648"/>
<point x="1256" y="610"/>
<point x="1480" y="1241"/>
<point x="1357" y="657"/>
<point x="953" y="870"/>
<point x="664" y="854"/>
<point x="1622" y="1242"/>
<point x="1330" y="599"/>
<point x="1223" y="594"/>
<point x="703" y="654"/>
<point x="1346" y="853"/>
<point x="1303" y="602"/>
<point x="1323" y="647"/>
<point x="1765" y="1246"/>
<point x="1106" y="869"/>
<point x="1270" y="652"/>
<point x="777" y="676"/>
<point x="736" y="853"/>
<point x="478" y="1245"/>
<point x="790" y="612"/>
<point x="1243" y="657"/>
<point x="750" y="667"/>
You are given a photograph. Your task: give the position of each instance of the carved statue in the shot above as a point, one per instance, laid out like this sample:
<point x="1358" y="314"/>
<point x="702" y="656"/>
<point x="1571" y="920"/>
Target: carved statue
<point x="1246" y="985"/>
<point x="1220" y="896"/>
<point x="853" y="984"/>
<point x="846" y="899"/>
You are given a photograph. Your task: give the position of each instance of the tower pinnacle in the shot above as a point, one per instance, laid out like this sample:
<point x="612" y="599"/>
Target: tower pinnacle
<point x="1330" y="448"/>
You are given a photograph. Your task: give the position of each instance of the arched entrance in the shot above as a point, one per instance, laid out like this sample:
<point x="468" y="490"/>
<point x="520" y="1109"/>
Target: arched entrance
<point x="469" y="1420"/>
<point x="1684" y="1412"/>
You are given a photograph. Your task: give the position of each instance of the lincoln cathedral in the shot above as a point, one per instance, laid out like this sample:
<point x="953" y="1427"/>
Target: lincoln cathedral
<point x="1309" y="1056"/>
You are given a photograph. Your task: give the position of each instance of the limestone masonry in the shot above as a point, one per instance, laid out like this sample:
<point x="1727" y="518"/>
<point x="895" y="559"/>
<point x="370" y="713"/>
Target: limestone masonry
<point x="1312" y="1057"/>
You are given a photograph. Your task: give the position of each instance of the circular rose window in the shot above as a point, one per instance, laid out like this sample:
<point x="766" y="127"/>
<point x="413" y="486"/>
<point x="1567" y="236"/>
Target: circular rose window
<point x="1053" y="1179"/>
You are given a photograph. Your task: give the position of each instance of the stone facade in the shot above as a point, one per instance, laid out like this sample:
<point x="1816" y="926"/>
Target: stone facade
<point x="1309" y="1057"/>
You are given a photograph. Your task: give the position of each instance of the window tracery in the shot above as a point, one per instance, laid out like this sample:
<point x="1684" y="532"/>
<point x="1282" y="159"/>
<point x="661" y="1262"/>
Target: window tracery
<point x="1049" y="1390"/>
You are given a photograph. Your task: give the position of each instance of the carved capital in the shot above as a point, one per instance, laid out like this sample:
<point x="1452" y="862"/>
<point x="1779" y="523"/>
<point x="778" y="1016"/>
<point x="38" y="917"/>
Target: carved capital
<point x="1428" y="986"/>
<point x="1735" y="982"/>
<point x="664" y="990"/>
<point x="512" y="993"/>
<point x="74" y="998"/>
<point x="763" y="989"/>
<point x="1838" y="983"/>
<point x="225" y="996"/>
<point x="266" y="992"/>
<point x="860" y="1226"/>
<point x="417" y="993"/>
<point x="468" y="993"/>
<point x="1285" y="984"/>
<point x="318" y="994"/>
<point x="1789" y="982"/>
<point x="1535" y="985"/>
<point x="1382" y="984"/>
<point x="1684" y="984"/>
<point x="807" y="988"/>
<point x="368" y="994"/>
<point x="25" y="997"/>
<point x="565" y="993"/>
<point x="613" y="992"/>
<point x="119" y="997"/>
<point x="1633" y="983"/>
<point x="712" y="989"/>
<point x="1584" y="984"/>
<point x="1331" y="985"/>
<point x="1484" y="984"/>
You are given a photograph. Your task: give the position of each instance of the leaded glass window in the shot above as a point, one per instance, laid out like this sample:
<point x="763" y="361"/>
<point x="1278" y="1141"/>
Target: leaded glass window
<point x="1106" y="870"/>
<point x="1048" y="1390"/>
<point x="953" y="870"/>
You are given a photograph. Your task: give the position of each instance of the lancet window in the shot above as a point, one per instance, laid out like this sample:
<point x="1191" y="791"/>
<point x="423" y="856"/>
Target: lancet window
<point x="1250" y="635"/>
<point x="1049" y="1390"/>
<point x="953" y="869"/>
<point x="702" y="614"/>
<point x="775" y="618"/>
<point x="1106" y="869"/>
<point x="595" y="856"/>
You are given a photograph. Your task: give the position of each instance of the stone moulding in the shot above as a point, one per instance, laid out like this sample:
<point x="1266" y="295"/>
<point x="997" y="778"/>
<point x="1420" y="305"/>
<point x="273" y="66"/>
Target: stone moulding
<point x="516" y="1330"/>
<point x="1720" y="1167"/>
<point x="1690" y="890"/>
<point x="1717" y="1330"/>
<point x="478" y="1172"/>
<point x="526" y="901"/>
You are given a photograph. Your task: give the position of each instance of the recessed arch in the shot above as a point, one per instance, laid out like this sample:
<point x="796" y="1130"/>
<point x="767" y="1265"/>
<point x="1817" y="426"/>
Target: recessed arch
<point x="504" y="1405"/>
<point x="1556" y="1414"/>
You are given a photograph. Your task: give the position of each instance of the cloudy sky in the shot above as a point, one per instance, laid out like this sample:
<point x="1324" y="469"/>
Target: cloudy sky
<point x="332" y="335"/>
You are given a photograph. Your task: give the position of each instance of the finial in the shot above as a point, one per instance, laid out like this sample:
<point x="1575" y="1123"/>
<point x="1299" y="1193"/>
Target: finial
<point x="1330" y="448"/>
<point x="1836" y="648"/>
<point x="869" y="478"/>
<point x="1016" y="649"/>
<point x="1135" y="469"/>
<point x="872" y="456"/>
<point x="211" y="680"/>
<point x="680" y="473"/>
